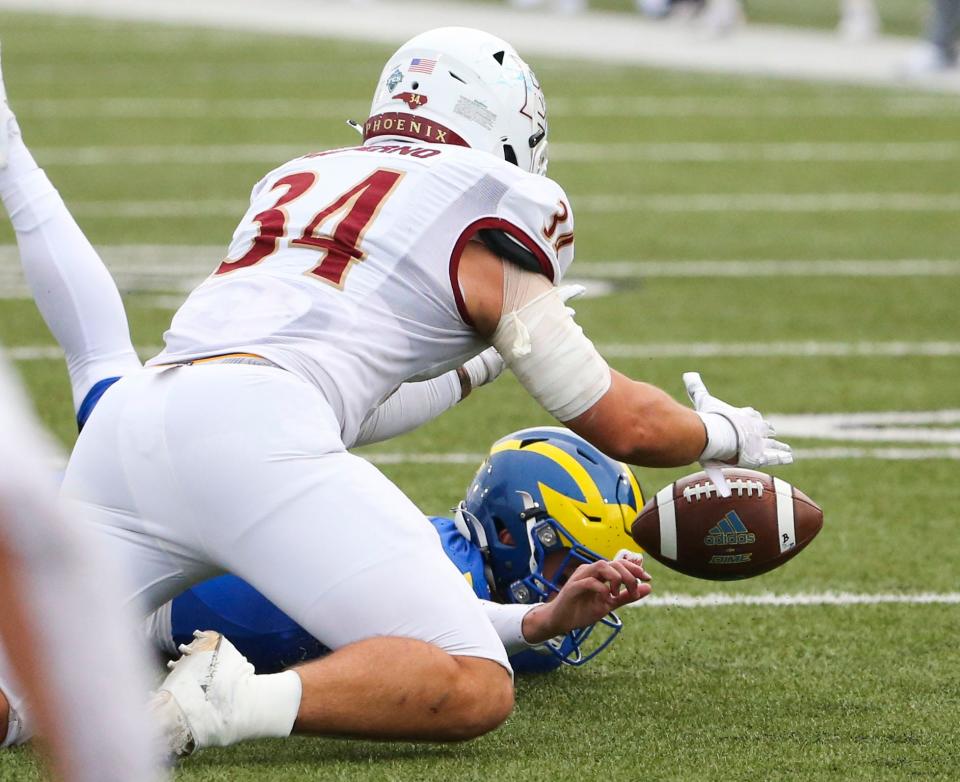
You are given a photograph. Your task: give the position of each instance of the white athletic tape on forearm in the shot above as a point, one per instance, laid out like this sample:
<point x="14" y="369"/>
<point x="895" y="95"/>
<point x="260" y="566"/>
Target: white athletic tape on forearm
<point x="668" y="522"/>
<point x="785" y="522"/>
<point x="545" y="348"/>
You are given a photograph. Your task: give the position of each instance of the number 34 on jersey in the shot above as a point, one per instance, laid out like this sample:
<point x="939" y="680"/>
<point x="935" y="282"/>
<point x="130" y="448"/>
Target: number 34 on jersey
<point x="336" y="230"/>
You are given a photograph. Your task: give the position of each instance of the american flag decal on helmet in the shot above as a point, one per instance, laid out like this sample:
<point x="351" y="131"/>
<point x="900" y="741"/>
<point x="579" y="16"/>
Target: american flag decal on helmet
<point x="421" y="65"/>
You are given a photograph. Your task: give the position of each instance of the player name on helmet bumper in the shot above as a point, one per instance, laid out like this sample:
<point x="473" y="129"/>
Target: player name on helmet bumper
<point x="393" y="123"/>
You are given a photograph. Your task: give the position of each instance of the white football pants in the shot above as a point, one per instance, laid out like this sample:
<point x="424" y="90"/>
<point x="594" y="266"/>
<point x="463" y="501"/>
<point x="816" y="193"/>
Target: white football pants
<point x="188" y="471"/>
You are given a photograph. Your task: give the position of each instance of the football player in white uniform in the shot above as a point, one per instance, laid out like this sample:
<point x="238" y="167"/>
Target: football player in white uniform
<point x="355" y="271"/>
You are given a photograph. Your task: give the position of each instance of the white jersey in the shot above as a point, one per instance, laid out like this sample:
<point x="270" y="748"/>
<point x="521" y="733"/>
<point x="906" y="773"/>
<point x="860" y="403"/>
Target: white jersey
<point x="344" y="268"/>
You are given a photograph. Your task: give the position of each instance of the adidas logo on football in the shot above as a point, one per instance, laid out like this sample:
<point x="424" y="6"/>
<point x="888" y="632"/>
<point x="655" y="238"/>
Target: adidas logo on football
<point x="730" y="531"/>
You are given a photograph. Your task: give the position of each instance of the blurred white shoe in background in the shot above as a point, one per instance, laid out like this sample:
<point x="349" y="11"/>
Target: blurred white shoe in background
<point x="656" y="9"/>
<point x="721" y="17"/>
<point x="928" y="58"/>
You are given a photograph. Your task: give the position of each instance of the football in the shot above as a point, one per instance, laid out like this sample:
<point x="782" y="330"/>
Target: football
<point x="690" y="528"/>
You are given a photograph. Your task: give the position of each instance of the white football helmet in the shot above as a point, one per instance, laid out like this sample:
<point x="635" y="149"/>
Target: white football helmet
<point x="456" y="85"/>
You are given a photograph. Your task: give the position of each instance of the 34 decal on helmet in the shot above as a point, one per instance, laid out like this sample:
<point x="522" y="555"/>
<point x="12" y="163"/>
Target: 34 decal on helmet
<point x="413" y="99"/>
<point x="544" y="502"/>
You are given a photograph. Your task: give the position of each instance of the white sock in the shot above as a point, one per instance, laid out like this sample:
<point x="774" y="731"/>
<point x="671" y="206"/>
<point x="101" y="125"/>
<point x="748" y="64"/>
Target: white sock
<point x="272" y="705"/>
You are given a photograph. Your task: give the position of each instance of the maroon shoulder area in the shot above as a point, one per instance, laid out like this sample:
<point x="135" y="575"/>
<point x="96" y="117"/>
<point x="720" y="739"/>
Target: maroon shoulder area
<point x="468" y="233"/>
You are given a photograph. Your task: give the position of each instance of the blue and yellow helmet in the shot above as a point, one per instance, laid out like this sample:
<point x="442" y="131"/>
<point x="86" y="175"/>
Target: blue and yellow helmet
<point x="545" y="490"/>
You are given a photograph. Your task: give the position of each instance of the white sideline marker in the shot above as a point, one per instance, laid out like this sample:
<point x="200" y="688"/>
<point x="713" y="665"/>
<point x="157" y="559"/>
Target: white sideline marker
<point x="722" y="599"/>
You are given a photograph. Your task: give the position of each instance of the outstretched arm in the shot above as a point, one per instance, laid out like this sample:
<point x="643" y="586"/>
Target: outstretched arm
<point x="72" y="288"/>
<point x="523" y="315"/>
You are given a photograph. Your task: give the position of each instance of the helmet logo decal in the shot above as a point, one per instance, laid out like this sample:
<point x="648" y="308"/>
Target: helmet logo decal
<point x="421" y="65"/>
<point x="392" y="123"/>
<point x="413" y="99"/>
<point x="541" y="107"/>
<point x="395" y="78"/>
<point x="475" y="111"/>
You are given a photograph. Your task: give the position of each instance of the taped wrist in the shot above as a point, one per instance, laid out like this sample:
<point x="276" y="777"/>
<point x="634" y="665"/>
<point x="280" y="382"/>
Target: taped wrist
<point x="507" y="620"/>
<point x="545" y="348"/>
<point x="723" y="442"/>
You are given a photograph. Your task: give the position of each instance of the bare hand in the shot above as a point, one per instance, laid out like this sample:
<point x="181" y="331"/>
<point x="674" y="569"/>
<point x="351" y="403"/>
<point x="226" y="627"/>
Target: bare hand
<point x="591" y="592"/>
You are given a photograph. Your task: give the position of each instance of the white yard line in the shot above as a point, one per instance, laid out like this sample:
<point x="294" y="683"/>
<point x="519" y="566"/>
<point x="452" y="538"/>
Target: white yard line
<point x="881" y="454"/>
<point x="931" y="426"/>
<point x="770" y="202"/>
<point x="802" y="454"/>
<point x="613" y="106"/>
<point x="626" y="39"/>
<point x="171" y="209"/>
<point x="160" y="267"/>
<point x="753" y="152"/>
<point x="666" y="203"/>
<point x="906" y="267"/>
<point x="723" y="599"/>
<point x="592" y="152"/>
<point x="806" y="349"/>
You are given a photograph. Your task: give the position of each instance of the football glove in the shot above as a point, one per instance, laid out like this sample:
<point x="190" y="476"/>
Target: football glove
<point x="738" y="435"/>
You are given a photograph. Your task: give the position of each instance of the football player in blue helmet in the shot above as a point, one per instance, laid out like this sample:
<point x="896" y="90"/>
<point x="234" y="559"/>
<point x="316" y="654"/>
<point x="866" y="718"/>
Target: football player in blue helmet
<point x="543" y="502"/>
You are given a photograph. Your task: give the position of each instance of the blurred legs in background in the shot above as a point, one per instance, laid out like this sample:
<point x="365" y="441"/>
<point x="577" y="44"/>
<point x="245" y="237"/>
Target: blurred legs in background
<point x="943" y="27"/>
<point x="560" y="6"/>
<point x="938" y="52"/>
<point x="859" y="20"/>
<point x="716" y="16"/>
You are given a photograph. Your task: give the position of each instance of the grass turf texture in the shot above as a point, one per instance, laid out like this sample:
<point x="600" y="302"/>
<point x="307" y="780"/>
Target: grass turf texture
<point x="864" y="692"/>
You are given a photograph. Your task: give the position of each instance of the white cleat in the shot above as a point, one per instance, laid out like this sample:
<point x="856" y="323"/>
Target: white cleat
<point x="927" y="59"/>
<point x="722" y="17"/>
<point x="197" y="703"/>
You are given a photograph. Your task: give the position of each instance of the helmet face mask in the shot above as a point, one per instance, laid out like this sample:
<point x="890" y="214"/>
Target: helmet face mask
<point x="543" y="503"/>
<point x="456" y="85"/>
<point x="551" y="573"/>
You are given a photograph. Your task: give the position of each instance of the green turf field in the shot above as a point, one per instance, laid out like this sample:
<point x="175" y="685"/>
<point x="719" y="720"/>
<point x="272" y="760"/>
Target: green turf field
<point x="155" y="136"/>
